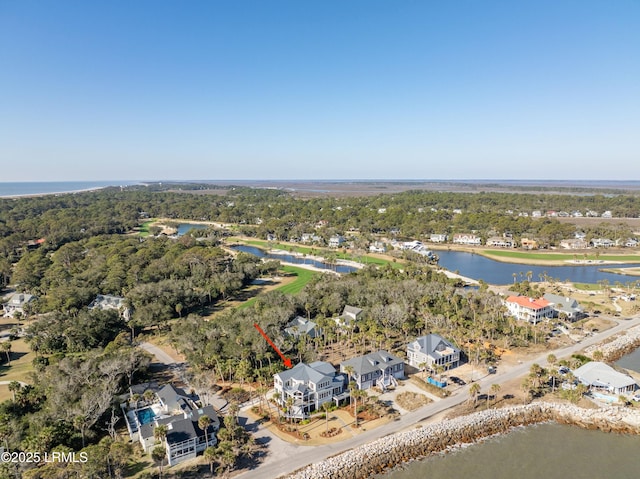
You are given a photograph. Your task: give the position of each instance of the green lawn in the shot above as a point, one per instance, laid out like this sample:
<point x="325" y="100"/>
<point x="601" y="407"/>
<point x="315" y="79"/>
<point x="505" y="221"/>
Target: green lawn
<point x="303" y="276"/>
<point x="144" y="227"/>
<point x="587" y="286"/>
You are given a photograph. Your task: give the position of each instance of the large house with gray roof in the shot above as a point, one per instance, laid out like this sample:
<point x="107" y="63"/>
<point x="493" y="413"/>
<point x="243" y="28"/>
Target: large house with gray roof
<point x="181" y="415"/>
<point x="432" y="350"/>
<point x="17" y="303"/>
<point x="381" y="369"/>
<point x="305" y="387"/>
<point x="566" y="306"/>
<point x="302" y="326"/>
<point x="107" y="302"/>
<point x="600" y="376"/>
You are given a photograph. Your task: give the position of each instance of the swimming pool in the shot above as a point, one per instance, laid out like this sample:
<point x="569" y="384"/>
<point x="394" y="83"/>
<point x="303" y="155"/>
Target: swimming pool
<point x="145" y="415"/>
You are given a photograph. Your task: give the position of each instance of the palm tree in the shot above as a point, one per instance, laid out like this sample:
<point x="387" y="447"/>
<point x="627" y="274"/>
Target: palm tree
<point x="495" y="389"/>
<point x="203" y="423"/>
<point x="158" y="454"/>
<point x="423" y="367"/>
<point x="210" y="456"/>
<point x="14" y="387"/>
<point x="277" y="397"/>
<point x="474" y="391"/>
<point x="326" y="406"/>
<point x="6" y="347"/>
<point x="160" y="433"/>
<point x="149" y="396"/>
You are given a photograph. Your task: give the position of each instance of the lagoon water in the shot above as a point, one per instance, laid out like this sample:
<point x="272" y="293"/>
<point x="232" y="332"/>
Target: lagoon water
<point x="630" y="361"/>
<point x="288" y="258"/>
<point x="496" y="272"/>
<point x="549" y="451"/>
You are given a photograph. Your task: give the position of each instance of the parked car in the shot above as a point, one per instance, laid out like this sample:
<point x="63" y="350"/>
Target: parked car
<point x="457" y="380"/>
<point x="564" y="370"/>
<point x="491" y="369"/>
<point x="636" y="398"/>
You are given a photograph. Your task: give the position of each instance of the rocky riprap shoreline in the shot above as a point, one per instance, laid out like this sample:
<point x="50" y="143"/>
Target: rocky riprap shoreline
<point x="387" y="452"/>
<point x="620" y="346"/>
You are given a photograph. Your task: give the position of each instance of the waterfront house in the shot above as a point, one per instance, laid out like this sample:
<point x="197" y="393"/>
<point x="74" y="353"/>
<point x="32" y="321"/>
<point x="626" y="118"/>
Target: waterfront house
<point x="432" y="350"/>
<point x="177" y="411"/>
<point x="564" y="306"/>
<point x="573" y="243"/>
<point x="416" y="247"/>
<point x="500" y="242"/>
<point x="302" y="326"/>
<point x="377" y="247"/>
<point x="310" y="238"/>
<point x="336" y="241"/>
<point x="107" y="302"/>
<point x="305" y="387"/>
<point x="381" y="369"/>
<point x="529" y="309"/>
<point x="467" y="239"/>
<point x="527" y="243"/>
<point x="602" y="243"/>
<point x="17" y="303"/>
<point x="438" y="238"/>
<point x="600" y="376"/>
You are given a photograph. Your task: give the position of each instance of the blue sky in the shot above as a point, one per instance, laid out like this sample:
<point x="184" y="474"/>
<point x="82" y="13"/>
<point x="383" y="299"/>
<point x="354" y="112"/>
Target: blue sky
<point x="272" y="89"/>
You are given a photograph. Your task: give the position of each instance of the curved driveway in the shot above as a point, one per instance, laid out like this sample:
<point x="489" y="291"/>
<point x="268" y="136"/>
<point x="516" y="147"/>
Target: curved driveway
<point x="284" y="458"/>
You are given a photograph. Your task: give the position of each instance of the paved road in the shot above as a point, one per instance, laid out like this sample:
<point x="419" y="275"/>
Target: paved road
<point x="159" y="354"/>
<point x="284" y="458"/>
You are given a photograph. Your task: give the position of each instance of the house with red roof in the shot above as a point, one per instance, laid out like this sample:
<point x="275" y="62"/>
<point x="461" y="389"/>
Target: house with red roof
<point x="529" y="309"/>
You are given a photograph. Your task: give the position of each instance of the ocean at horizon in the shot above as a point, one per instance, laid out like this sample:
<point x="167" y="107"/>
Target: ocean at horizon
<point x="29" y="188"/>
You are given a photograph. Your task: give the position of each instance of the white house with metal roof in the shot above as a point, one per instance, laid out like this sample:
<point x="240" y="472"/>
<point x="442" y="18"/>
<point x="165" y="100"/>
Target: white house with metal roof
<point x="303" y="388"/>
<point x="564" y="305"/>
<point x="302" y="326"/>
<point x="380" y="369"/>
<point x="176" y="411"/>
<point x="17" y="303"/>
<point x="601" y="376"/>
<point x="432" y="350"/>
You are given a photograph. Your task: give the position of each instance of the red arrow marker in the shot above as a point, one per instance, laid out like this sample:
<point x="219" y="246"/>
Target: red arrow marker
<point x="286" y="360"/>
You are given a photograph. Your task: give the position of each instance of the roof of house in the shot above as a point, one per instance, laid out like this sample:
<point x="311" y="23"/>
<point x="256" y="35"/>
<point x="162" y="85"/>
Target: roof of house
<point x="300" y="325"/>
<point x="563" y="303"/>
<point x="172" y="398"/>
<point x="351" y="310"/>
<point x="306" y="373"/>
<point x="433" y="345"/>
<point x="596" y="373"/>
<point x="20" y="299"/>
<point x="371" y="362"/>
<point x="529" y="303"/>
<point x="107" y="301"/>
<point x="180" y="430"/>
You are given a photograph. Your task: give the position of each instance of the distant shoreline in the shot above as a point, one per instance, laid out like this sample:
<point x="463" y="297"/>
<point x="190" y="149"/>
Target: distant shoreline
<point x="33" y="189"/>
<point x="70" y="192"/>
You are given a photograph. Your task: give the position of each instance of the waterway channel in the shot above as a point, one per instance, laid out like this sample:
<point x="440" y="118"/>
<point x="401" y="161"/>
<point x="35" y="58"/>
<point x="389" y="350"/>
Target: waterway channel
<point x="496" y="272"/>
<point x="551" y="451"/>
<point x="295" y="259"/>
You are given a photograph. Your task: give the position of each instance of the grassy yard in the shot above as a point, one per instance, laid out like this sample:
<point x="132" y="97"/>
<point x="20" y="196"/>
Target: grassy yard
<point x="144" y="227"/>
<point x="302" y="277"/>
<point x="19" y="369"/>
<point x="587" y="286"/>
